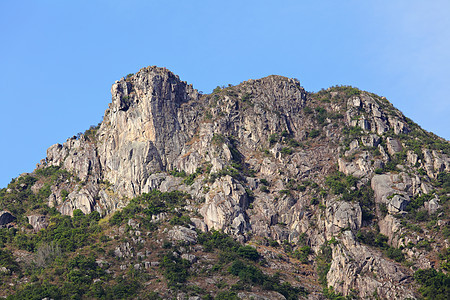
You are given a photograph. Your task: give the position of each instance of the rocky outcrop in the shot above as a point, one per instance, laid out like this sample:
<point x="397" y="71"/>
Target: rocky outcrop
<point x="38" y="222"/>
<point x="156" y="123"/>
<point x="390" y="190"/>
<point x="355" y="266"/>
<point x="151" y="118"/>
<point x="367" y="112"/>
<point x="434" y="163"/>
<point x="183" y="234"/>
<point x="5" y="218"/>
<point x="341" y="215"/>
<point x="225" y="205"/>
<point x="255" y="158"/>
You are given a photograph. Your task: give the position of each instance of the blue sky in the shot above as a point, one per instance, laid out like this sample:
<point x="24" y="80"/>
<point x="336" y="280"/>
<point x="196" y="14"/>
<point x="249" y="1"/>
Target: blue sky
<point x="59" y="58"/>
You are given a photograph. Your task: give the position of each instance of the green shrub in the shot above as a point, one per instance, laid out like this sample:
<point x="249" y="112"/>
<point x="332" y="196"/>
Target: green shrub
<point x="307" y="110"/>
<point x="217" y="240"/>
<point x="273" y="138"/>
<point x="321" y="115"/>
<point x="395" y="254"/>
<point x="149" y="204"/>
<point x="314" y="133"/>
<point x="379" y="171"/>
<point x="324" y="258"/>
<point x="176" y="269"/>
<point x="434" y="284"/>
<point x="286" y="151"/>
<point x="293" y="143"/>
<point x="177" y="173"/>
<point x="248" y="252"/>
<point x="301" y="188"/>
<point x="91" y="133"/>
<point x="346" y="186"/>
<point x="64" y="195"/>
<point x="302" y="254"/>
<point x="38" y="291"/>
<point x="264" y="181"/>
<point x="246" y="98"/>
<point x="252" y="275"/>
<point x="284" y="192"/>
<point x="218" y="139"/>
<point x="180" y="220"/>
<point x="218" y="89"/>
<point x="372" y="238"/>
<point x="226" y="295"/>
<point x="8" y="261"/>
<point x="189" y="180"/>
<point x="383" y="209"/>
<point x="247" y="273"/>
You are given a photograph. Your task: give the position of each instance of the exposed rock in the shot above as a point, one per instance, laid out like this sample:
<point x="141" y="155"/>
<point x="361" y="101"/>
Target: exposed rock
<point x="199" y="224"/>
<point x="393" y="146"/>
<point x="412" y="157"/>
<point x="391" y="227"/>
<point x="124" y="250"/>
<point x="354" y="145"/>
<point x="36" y="187"/>
<point x="225" y="205"/>
<point x="133" y="224"/>
<point x="226" y="143"/>
<point x="190" y="257"/>
<point x="342" y="215"/>
<point x="102" y="263"/>
<point x="432" y="206"/>
<point x="391" y="190"/>
<point x="180" y="233"/>
<point x="38" y="222"/>
<point x="6" y="217"/>
<point x="351" y="260"/>
<point x="371" y="140"/>
<point x="397" y="204"/>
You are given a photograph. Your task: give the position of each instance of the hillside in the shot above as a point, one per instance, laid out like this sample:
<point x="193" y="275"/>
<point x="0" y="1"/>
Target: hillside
<point x="260" y="190"/>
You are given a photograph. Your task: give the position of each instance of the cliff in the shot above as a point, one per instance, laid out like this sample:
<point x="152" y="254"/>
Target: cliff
<point x="340" y="170"/>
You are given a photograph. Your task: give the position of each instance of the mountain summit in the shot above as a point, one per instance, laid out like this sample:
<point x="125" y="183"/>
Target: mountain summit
<point x="256" y="190"/>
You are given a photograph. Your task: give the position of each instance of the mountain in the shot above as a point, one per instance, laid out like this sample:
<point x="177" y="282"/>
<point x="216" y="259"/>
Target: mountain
<point x="260" y="190"/>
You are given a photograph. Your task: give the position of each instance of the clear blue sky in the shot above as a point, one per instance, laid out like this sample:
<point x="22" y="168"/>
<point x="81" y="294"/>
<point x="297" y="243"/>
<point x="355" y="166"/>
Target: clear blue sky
<point x="59" y="58"/>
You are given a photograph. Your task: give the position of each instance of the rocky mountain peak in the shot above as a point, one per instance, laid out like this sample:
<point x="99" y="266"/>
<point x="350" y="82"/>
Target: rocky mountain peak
<point x="340" y="172"/>
<point x="150" y="84"/>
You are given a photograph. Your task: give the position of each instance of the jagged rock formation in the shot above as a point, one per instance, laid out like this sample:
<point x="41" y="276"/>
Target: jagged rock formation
<point x="257" y="156"/>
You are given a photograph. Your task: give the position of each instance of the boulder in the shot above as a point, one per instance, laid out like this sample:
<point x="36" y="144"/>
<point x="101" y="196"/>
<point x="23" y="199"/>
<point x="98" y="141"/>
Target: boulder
<point x="432" y="206"/>
<point x="397" y="204"/>
<point x="38" y="222"/>
<point x="393" y="145"/>
<point x="180" y="233"/>
<point x="6" y="217"/>
<point x="189" y="257"/>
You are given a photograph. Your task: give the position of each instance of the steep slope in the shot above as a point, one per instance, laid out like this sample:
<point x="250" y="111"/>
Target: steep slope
<point x="340" y="172"/>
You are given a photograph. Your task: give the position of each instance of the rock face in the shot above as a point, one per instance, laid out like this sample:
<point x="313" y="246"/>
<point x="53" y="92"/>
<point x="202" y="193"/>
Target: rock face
<point x="255" y="158"/>
<point x="38" y="222"/>
<point x="226" y="206"/>
<point x="150" y="119"/>
<point x="180" y="233"/>
<point x="6" y="218"/>
<point x="351" y="260"/>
